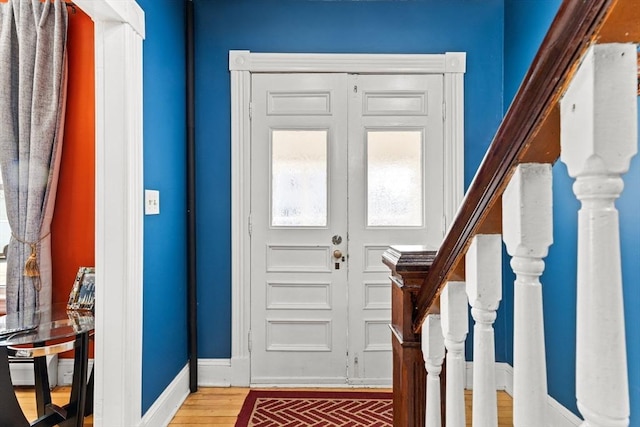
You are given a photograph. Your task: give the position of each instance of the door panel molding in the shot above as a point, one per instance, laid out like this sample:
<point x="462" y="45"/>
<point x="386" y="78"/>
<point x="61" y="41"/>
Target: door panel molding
<point x="241" y="65"/>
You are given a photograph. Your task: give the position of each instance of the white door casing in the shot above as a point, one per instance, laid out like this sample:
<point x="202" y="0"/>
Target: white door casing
<point x="241" y="65"/>
<point x="118" y="32"/>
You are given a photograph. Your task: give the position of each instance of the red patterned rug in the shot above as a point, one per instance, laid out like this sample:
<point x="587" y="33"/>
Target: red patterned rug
<point x="279" y="408"/>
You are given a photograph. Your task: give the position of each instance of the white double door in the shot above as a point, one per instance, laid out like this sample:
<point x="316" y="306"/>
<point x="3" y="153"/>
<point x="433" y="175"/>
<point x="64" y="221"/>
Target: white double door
<point x="342" y="166"/>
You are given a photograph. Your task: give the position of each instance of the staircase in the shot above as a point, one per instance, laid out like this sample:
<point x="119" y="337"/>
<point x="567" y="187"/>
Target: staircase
<point x="578" y="104"/>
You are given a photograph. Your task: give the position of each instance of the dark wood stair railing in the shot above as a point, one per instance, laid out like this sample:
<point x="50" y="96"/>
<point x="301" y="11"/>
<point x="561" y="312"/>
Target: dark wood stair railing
<point x="529" y="133"/>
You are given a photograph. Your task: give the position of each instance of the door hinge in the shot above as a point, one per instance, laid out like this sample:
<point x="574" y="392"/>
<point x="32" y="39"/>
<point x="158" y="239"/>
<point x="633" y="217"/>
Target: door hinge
<point x="355" y="88"/>
<point x="444" y="225"/>
<point x="444" y="111"/>
<point x="250" y="225"/>
<point x="249" y="343"/>
<point x="250" y="110"/>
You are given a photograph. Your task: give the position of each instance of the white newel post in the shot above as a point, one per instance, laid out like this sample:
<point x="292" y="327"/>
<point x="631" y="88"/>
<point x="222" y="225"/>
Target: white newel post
<point x="454" y="316"/>
<point x="483" y="264"/>
<point x="598" y="138"/>
<point x="527" y="228"/>
<point x="433" y="353"/>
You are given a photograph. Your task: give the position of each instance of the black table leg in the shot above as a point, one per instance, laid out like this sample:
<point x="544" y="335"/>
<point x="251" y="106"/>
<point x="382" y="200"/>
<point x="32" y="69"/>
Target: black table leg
<point x="77" y="402"/>
<point x="41" y="376"/>
<point x="88" y="409"/>
<point x="11" y="414"/>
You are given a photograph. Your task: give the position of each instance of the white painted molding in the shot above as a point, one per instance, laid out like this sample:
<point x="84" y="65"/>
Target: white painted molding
<point x="557" y="415"/>
<point x="167" y="404"/>
<point x="214" y="372"/>
<point x="244" y="60"/>
<point x="240" y="211"/>
<point x="453" y="145"/>
<point x="118" y="27"/>
<point x="455" y="62"/>
<point x="126" y="12"/>
<point x="22" y="372"/>
<point x="241" y="64"/>
<point x="65" y="371"/>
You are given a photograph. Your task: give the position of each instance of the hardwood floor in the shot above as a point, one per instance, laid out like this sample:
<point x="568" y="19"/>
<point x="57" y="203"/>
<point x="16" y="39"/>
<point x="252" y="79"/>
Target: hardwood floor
<point x="59" y="396"/>
<point x="219" y="407"/>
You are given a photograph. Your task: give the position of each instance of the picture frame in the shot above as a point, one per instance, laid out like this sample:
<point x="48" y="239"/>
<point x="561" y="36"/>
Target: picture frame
<point x="82" y="295"/>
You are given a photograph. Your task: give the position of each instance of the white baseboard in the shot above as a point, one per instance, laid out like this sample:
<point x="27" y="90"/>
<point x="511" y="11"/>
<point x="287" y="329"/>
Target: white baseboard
<point x="22" y="372"/>
<point x="165" y="407"/>
<point x="65" y="371"/>
<point x="214" y="372"/>
<point x="240" y="371"/>
<point x="558" y="415"/>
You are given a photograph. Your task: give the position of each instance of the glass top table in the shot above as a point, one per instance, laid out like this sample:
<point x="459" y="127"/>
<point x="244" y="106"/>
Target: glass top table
<point x="37" y="334"/>
<point x="41" y="326"/>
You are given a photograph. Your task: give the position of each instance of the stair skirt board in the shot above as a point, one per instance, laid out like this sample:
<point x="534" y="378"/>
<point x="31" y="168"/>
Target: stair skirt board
<point x="22" y="371"/>
<point x="558" y="415"/>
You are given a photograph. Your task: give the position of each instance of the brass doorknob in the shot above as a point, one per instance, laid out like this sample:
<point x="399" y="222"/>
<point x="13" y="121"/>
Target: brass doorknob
<point x="337" y="254"/>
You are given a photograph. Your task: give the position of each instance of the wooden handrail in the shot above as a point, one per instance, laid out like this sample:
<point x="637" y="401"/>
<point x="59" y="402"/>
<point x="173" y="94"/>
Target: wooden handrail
<point x="529" y="131"/>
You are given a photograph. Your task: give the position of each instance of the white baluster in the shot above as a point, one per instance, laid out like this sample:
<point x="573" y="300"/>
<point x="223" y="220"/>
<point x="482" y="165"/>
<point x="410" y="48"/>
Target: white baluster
<point x="483" y="265"/>
<point x="527" y="228"/>
<point x="454" y="315"/>
<point x="433" y="353"/>
<point x="598" y="138"/>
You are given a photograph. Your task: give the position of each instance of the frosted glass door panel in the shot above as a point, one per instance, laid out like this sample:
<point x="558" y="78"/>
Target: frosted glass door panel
<point x="299" y="178"/>
<point x="394" y="178"/>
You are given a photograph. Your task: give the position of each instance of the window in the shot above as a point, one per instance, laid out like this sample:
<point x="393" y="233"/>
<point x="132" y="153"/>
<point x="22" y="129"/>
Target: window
<point x="394" y="178"/>
<point x="299" y="178"/>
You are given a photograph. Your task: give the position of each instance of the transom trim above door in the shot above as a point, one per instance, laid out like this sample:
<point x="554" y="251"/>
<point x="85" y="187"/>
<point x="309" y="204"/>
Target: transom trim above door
<point x="244" y="60"/>
<point x="242" y="64"/>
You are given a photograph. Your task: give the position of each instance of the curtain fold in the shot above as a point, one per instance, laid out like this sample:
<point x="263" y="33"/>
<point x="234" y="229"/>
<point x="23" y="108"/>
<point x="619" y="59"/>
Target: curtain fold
<point x="32" y="104"/>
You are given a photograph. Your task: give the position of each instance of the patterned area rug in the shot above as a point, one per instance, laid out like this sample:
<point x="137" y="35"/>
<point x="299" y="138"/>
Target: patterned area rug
<point x="279" y="408"/>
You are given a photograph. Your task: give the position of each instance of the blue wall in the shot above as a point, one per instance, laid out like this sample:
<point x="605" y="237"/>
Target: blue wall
<point x="427" y="26"/>
<point x="164" y="351"/>
<point x="525" y="25"/>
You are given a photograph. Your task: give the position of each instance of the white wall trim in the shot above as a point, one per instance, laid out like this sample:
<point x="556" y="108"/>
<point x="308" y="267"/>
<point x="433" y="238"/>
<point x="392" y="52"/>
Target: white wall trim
<point x="167" y="404"/>
<point x="125" y="12"/>
<point x="22" y="372"/>
<point x="244" y="60"/>
<point x="240" y="239"/>
<point x="557" y="415"/>
<point x="241" y="64"/>
<point x="118" y="30"/>
<point x="65" y="371"/>
<point x="214" y="372"/>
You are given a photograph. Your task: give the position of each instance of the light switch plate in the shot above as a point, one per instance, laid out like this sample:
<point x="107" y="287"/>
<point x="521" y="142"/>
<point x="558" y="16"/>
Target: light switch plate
<point x="151" y="202"/>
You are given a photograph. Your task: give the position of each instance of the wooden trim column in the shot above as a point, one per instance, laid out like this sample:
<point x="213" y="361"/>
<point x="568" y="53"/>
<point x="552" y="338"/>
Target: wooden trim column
<point x="409" y="266"/>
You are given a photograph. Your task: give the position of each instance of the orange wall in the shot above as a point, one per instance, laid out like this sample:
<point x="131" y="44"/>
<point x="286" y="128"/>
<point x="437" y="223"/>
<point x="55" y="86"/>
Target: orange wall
<point x="73" y="227"/>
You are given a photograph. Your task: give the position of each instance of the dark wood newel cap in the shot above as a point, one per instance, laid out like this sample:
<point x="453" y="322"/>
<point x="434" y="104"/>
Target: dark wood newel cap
<point x="408" y="258"/>
<point x="409" y="263"/>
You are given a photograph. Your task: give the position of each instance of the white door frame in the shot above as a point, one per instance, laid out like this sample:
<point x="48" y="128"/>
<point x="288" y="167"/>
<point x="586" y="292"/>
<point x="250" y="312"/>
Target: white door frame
<point x="241" y="64"/>
<point x="119" y="30"/>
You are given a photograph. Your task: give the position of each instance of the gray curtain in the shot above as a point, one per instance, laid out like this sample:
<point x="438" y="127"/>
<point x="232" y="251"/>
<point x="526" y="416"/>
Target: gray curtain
<point x="32" y="104"/>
